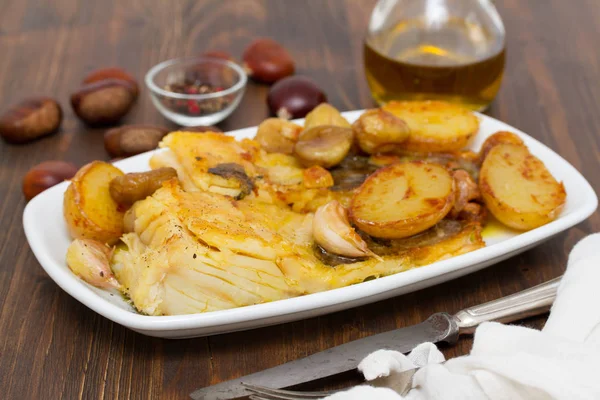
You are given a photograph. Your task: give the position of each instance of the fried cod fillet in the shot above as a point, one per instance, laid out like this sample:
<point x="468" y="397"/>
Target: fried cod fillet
<point x="193" y="250"/>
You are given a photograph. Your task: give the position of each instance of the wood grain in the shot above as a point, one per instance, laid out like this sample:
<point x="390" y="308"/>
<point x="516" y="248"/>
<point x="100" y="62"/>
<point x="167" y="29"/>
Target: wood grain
<point x="52" y="347"/>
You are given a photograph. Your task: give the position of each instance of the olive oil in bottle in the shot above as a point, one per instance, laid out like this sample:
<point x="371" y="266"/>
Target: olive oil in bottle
<point x="460" y="62"/>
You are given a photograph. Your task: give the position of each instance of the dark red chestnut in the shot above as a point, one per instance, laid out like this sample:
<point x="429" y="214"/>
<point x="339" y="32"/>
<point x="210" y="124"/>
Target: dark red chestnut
<point x="30" y="119"/>
<point x="267" y="61"/>
<point x="46" y="175"/>
<point x="112" y="73"/>
<point x="294" y="97"/>
<point x="103" y="102"/>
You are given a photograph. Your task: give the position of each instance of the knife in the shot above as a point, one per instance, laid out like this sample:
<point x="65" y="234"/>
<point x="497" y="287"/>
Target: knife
<point x="440" y="327"/>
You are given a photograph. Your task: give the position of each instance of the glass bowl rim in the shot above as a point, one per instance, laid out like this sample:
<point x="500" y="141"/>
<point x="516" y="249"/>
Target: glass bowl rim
<point x="149" y="78"/>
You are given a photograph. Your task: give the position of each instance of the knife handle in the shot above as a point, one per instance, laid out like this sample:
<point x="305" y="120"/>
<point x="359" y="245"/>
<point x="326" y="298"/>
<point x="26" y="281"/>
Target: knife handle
<point x="527" y="303"/>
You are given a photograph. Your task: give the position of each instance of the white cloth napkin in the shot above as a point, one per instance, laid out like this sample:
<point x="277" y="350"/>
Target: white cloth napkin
<point x="511" y="362"/>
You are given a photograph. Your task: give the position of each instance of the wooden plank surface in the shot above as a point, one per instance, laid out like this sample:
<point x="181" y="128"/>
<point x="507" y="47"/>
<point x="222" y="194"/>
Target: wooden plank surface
<point x="52" y="347"/>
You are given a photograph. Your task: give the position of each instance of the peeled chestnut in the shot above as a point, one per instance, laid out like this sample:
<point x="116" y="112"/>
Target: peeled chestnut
<point x="294" y="97"/>
<point x="378" y="131"/>
<point x="129" y="140"/>
<point x="129" y="188"/>
<point x="112" y="73"/>
<point x="325" y="114"/>
<point x="323" y="145"/>
<point x="103" y="102"/>
<point x="46" y="175"/>
<point x="277" y="135"/>
<point x="267" y="61"/>
<point x="30" y="119"/>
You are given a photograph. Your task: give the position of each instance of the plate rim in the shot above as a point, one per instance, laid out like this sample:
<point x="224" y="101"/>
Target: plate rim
<point x="76" y="288"/>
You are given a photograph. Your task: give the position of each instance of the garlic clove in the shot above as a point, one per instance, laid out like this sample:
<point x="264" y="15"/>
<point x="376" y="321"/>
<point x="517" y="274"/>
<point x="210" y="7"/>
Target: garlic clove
<point x="90" y="260"/>
<point x="332" y="231"/>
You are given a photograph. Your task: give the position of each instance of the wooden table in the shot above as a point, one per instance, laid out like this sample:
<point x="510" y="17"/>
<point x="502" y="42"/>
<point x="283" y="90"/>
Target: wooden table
<point x="53" y="347"/>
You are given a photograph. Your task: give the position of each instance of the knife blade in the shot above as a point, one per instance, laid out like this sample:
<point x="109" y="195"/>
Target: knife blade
<point x="440" y="327"/>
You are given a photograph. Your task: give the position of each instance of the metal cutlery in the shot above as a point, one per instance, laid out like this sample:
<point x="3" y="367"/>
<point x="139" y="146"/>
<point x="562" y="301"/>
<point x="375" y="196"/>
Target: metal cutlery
<point x="440" y="327"/>
<point x="400" y="382"/>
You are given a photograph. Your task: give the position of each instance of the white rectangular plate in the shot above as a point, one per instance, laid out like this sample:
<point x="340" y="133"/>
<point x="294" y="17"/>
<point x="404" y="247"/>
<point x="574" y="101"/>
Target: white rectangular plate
<point x="47" y="235"/>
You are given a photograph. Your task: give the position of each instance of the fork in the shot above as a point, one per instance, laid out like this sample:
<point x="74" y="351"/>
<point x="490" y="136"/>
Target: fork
<point x="399" y="382"/>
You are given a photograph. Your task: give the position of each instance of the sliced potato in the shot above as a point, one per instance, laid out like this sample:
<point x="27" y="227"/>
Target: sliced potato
<point x="325" y="114"/>
<point x="277" y="135"/>
<point x="402" y="200"/>
<point x="435" y="126"/>
<point x="496" y="139"/>
<point x="518" y="189"/>
<point x="89" y="210"/>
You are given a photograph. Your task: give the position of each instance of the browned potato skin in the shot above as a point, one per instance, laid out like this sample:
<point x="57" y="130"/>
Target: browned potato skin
<point x="129" y="188"/>
<point x="323" y="145"/>
<point x="435" y="126"/>
<point x="83" y="222"/>
<point x="399" y="228"/>
<point x="277" y="135"/>
<point x="378" y="131"/>
<point x="497" y="138"/>
<point x="531" y="171"/>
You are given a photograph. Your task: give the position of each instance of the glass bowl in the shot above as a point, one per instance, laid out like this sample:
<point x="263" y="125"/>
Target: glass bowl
<point x="197" y="90"/>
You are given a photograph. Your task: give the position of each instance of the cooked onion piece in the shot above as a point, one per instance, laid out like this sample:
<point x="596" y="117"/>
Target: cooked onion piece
<point x="403" y="199"/>
<point x="518" y="189"/>
<point x="466" y="191"/>
<point x="332" y="231"/>
<point x="324" y="145"/>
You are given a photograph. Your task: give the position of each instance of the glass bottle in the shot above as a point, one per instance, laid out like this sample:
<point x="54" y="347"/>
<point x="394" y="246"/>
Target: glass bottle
<point x="452" y="50"/>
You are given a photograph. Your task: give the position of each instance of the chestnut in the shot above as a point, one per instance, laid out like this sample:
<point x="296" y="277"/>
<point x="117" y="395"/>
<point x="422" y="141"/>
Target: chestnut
<point x="294" y="97"/>
<point x="323" y="145"/>
<point x="46" y="175"/>
<point x="103" y="102"/>
<point x="30" y="119"/>
<point x="129" y="140"/>
<point x="267" y="61"/>
<point x="112" y="73"/>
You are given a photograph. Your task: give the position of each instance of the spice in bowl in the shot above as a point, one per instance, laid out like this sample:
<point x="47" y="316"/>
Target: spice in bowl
<point x="196" y="91"/>
<point x="195" y="107"/>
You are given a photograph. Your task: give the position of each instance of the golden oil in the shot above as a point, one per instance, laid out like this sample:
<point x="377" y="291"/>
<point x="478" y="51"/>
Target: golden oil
<point x="460" y="62"/>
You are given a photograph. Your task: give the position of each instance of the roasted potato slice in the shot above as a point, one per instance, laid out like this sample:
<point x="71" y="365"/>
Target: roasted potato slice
<point x="496" y="139"/>
<point x="378" y="131"/>
<point x="89" y="210"/>
<point x="518" y="189"/>
<point x="325" y="114"/>
<point x="403" y="199"/>
<point x="277" y="135"/>
<point x="435" y="126"/>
